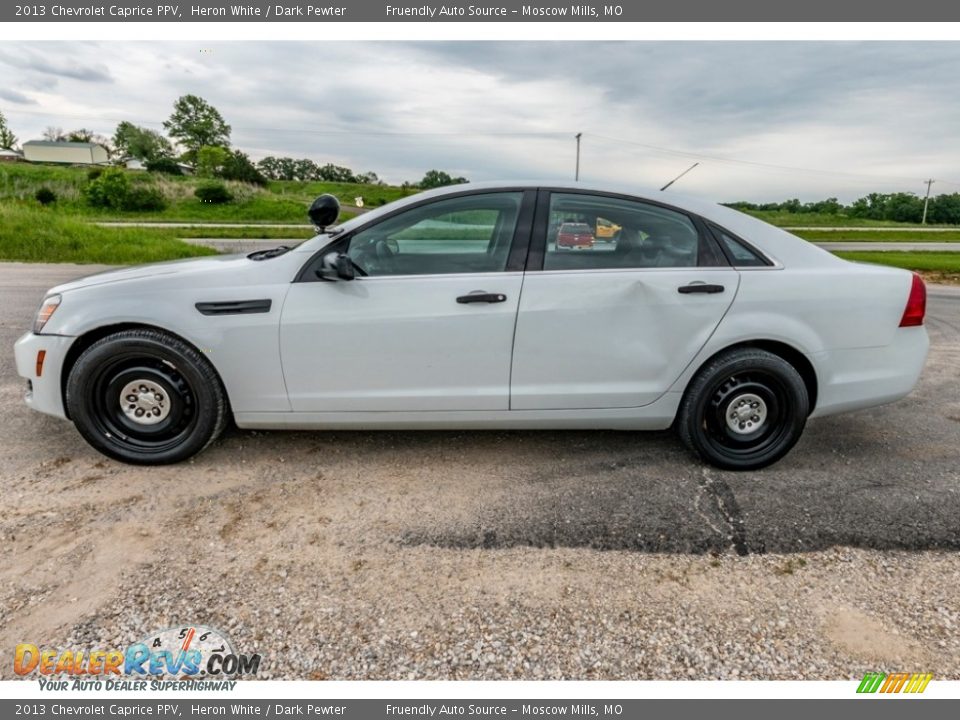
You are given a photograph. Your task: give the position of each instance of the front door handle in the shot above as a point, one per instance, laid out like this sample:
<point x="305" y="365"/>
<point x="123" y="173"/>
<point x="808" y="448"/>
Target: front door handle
<point x="481" y="296"/>
<point x="700" y="288"/>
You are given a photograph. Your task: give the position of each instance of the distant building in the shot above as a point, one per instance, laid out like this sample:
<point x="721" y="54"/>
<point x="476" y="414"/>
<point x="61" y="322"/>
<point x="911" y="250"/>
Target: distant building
<point x="132" y="163"/>
<point x="8" y="155"/>
<point x="66" y="153"/>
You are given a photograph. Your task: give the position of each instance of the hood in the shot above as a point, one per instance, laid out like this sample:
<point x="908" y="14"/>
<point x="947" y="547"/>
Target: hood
<point x="180" y="267"/>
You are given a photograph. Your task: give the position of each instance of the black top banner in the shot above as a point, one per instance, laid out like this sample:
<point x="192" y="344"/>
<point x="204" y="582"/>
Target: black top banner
<point x="495" y="11"/>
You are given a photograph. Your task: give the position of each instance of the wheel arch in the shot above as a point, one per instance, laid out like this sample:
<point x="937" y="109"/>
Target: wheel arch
<point x="800" y="362"/>
<point x="93" y="335"/>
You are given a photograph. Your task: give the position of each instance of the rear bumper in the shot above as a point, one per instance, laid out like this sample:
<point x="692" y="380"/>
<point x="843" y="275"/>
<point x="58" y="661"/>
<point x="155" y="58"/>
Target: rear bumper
<point x="44" y="391"/>
<point x="852" y="379"/>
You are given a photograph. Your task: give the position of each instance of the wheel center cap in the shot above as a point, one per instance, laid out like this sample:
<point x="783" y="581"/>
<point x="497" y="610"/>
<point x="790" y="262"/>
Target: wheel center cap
<point x="144" y="402"/>
<point x="746" y="413"/>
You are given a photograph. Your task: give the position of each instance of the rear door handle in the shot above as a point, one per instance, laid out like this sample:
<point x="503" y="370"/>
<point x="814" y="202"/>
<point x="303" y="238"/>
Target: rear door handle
<point x="700" y="288"/>
<point x="481" y="296"/>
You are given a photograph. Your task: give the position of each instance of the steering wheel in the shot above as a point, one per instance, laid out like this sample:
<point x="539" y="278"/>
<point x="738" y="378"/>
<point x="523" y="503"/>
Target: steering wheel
<point x="377" y="256"/>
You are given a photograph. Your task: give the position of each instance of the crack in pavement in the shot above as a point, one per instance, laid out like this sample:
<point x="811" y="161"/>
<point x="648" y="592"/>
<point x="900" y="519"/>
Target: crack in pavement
<point x="726" y="505"/>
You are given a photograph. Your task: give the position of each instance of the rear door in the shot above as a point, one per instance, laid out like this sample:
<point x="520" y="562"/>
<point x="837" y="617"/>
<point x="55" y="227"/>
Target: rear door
<point x="614" y="324"/>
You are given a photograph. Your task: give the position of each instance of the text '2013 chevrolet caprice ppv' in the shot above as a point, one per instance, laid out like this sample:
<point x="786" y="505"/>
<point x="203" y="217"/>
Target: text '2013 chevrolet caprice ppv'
<point x="468" y="307"/>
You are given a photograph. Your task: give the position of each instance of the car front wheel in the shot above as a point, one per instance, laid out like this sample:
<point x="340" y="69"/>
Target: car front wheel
<point x="744" y="410"/>
<point x="145" y="397"/>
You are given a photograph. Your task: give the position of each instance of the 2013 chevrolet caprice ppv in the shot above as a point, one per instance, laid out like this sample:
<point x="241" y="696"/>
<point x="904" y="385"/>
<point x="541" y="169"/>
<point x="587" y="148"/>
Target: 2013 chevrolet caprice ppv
<point x="459" y="308"/>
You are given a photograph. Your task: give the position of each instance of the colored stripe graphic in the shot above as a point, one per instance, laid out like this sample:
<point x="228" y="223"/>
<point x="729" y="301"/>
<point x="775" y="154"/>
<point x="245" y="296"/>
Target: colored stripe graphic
<point x="894" y="683"/>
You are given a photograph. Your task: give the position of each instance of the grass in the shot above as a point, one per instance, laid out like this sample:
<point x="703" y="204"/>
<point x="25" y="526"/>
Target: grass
<point x="941" y="267"/>
<point x="892" y="235"/>
<point x="785" y="219"/>
<point x="29" y="234"/>
<point x="280" y="201"/>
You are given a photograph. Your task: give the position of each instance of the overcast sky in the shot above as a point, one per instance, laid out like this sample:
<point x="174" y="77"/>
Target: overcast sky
<point x="863" y="116"/>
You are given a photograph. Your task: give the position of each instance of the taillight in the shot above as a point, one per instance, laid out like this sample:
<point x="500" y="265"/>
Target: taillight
<point x="916" y="304"/>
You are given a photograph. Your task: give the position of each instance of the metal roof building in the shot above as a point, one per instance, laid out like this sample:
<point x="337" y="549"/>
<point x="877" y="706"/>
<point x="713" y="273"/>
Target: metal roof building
<point x="67" y="153"/>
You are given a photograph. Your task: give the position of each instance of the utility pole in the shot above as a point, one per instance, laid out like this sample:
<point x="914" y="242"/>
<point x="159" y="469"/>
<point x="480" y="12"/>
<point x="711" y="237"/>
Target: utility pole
<point x="926" y="201"/>
<point x="679" y="176"/>
<point x="576" y="174"/>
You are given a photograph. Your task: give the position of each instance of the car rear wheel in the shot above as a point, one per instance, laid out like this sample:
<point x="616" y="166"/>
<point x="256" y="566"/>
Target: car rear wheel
<point x="146" y="397"/>
<point x="744" y="410"/>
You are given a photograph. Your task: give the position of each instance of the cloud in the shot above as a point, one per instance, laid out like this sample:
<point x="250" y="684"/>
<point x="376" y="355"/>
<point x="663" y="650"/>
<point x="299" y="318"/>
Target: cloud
<point x="59" y="66"/>
<point x="11" y="95"/>
<point x="865" y="116"/>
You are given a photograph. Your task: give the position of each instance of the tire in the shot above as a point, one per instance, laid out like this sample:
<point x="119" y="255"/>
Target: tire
<point x="146" y="397"/>
<point x="744" y="410"/>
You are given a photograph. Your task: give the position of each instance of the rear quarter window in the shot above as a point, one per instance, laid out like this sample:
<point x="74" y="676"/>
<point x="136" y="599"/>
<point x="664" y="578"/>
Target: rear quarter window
<point x="737" y="251"/>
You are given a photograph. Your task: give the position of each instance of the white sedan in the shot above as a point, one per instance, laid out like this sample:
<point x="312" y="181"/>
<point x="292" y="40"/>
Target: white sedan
<point x="458" y="308"/>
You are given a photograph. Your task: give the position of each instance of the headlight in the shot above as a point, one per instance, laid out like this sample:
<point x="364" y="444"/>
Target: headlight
<point x="47" y="308"/>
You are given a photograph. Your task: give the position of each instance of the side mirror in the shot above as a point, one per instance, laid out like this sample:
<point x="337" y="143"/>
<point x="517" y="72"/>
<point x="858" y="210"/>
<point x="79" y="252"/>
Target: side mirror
<point x="336" y="266"/>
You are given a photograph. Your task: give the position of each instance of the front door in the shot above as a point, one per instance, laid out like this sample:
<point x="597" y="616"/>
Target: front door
<point x="613" y="319"/>
<point x="428" y="327"/>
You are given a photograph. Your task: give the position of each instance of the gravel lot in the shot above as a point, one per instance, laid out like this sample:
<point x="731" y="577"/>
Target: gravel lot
<point x="500" y="554"/>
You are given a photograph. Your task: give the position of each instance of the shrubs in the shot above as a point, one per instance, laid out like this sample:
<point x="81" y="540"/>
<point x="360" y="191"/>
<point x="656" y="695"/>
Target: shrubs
<point x="109" y="190"/>
<point x="144" y="198"/>
<point x="112" y="190"/>
<point x="45" y="196"/>
<point x="94" y="173"/>
<point x="214" y="193"/>
<point x="165" y="165"/>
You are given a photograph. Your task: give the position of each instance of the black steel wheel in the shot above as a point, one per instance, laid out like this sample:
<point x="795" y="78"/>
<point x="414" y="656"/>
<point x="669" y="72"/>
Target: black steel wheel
<point x="145" y="397"/>
<point x="744" y="410"/>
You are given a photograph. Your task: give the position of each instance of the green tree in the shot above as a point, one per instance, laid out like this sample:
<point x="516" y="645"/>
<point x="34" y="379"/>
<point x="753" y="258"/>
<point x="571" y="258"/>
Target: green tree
<point x="438" y="178"/>
<point x="270" y="167"/>
<point x="141" y="143"/>
<point x="304" y="169"/>
<point x="195" y="123"/>
<point x="238" y="167"/>
<point x="336" y="173"/>
<point x="944" y="209"/>
<point x="211" y="160"/>
<point x="81" y="135"/>
<point x="7" y="138"/>
<point x="904" y="207"/>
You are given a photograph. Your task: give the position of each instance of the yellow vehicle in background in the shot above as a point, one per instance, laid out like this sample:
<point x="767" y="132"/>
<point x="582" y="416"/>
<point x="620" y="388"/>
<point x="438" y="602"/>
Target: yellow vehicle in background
<point x="606" y="230"/>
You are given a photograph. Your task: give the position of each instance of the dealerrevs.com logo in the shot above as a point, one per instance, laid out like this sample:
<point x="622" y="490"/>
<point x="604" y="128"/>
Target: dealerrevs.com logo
<point x="184" y="658"/>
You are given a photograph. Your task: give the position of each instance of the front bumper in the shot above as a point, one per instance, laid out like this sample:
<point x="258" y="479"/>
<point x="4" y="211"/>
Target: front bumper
<point x="44" y="392"/>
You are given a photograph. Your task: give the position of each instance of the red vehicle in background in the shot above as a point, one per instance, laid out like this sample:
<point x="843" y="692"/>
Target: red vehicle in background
<point x="575" y="236"/>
